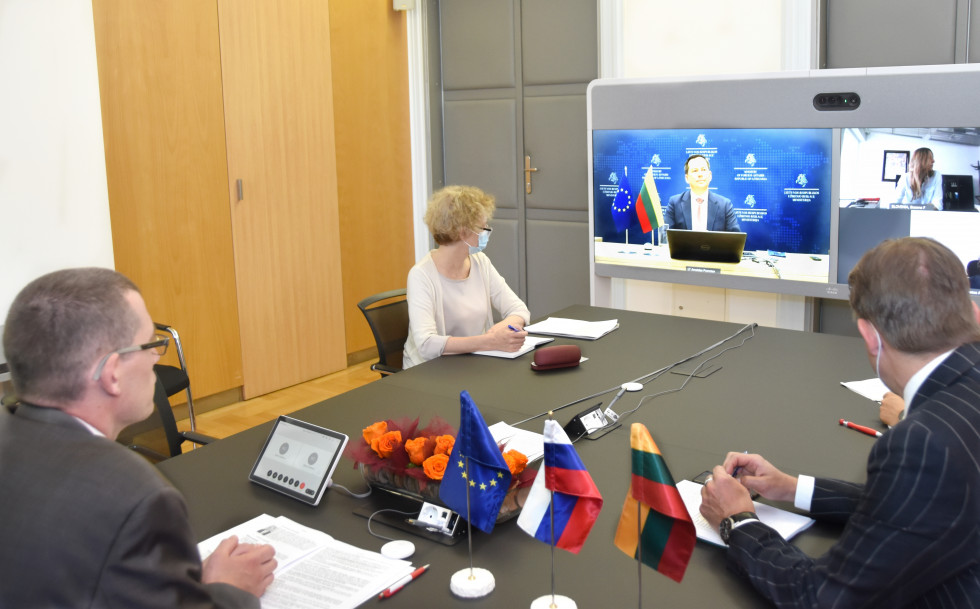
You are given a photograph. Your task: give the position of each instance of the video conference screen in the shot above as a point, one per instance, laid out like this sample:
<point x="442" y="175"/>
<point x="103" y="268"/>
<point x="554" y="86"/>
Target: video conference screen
<point x="796" y="190"/>
<point x="877" y="202"/>
<point x="778" y="183"/>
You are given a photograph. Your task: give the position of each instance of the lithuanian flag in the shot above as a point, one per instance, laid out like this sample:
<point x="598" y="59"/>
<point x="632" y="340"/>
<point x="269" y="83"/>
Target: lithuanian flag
<point x="648" y="210"/>
<point x="654" y="526"/>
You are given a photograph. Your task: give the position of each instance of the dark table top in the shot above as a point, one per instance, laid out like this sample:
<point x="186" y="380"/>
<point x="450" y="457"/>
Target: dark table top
<point x="777" y="394"/>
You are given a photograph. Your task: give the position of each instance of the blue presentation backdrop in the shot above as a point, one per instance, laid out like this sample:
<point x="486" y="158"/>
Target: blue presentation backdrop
<point x="779" y="180"/>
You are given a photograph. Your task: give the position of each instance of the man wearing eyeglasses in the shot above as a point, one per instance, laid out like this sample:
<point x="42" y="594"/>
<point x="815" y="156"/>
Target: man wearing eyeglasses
<point x="84" y="521"/>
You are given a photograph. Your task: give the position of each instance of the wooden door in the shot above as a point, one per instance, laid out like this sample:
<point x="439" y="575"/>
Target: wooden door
<point x="275" y="60"/>
<point x="166" y="169"/>
<point x="518" y="91"/>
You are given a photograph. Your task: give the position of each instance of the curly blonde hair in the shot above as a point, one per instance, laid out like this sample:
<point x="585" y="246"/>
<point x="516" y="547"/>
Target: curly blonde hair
<point x="455" y="209"/>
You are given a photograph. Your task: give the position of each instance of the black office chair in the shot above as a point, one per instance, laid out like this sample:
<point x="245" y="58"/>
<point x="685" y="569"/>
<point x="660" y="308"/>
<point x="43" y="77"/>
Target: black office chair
<point x="387" y="314"/>
<point x="157" y="438"/>
<point x="175" y="379"/>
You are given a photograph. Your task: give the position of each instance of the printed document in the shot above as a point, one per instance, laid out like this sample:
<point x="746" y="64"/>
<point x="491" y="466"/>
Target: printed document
<point x="315" y="570"/>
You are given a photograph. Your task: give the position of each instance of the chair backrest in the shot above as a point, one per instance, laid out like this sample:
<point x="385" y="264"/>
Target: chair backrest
<point x="176" y="378"/>
<point x="387" y="314"/>
<point x="156" y="438"/>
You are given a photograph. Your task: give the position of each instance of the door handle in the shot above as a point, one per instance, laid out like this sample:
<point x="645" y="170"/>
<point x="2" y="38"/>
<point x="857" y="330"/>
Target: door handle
<point x="527" y="173"/>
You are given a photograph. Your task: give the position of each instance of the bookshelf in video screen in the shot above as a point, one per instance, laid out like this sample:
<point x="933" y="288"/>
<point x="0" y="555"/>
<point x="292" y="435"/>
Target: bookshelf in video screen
<point x="879" y="201"/>
<point x="777" y="183"/>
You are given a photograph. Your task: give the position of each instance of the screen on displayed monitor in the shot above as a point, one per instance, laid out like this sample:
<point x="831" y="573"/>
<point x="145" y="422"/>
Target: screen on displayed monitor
<point x="774" y="184"/>
<point x="877" y="201"/>
<point x="815" y="168"/>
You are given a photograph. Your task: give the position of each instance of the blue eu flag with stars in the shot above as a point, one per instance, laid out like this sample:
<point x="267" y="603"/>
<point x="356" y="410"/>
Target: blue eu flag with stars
<point x="622" y="205"/>
<point x="475" y="465"/>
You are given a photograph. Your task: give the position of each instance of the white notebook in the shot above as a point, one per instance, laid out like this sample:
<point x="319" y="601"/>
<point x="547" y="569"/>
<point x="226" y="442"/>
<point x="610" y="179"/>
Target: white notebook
<point x="530" y="342"/>
<point x="787" y="524"/>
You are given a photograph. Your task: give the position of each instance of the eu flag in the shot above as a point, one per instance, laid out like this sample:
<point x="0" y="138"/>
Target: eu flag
<point x="622" y="204"/>
<point x="477" y="466"/>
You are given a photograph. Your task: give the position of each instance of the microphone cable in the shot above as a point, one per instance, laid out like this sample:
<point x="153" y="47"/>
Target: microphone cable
<point x="655" y="374"/>
<point x="694" y="372"/>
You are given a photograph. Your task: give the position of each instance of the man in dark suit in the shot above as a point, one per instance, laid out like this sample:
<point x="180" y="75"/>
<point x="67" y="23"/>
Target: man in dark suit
<point x="911" y="533"/>
<point x="698" y="208"/>
<point x="84" y="521"/>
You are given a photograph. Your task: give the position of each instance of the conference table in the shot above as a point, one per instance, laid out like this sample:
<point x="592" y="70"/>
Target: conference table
<point x="772" y="391"/>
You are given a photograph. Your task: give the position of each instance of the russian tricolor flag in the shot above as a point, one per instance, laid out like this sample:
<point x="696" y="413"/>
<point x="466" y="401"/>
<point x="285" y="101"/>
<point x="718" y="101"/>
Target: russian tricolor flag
<point x="564" y="481"/>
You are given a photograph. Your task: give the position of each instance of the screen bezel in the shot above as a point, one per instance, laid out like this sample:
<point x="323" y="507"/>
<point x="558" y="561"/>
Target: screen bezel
<point x="282" y="424"/>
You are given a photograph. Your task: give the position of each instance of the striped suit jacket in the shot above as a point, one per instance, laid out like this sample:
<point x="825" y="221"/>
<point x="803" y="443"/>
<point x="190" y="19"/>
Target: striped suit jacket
<point x="912" y="532"/>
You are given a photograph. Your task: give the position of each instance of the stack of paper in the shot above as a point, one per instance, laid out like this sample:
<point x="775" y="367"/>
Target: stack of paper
<point x="787" y="524"/>
<point x="315" y="570"/>
<point x="528" y="443"/>
<point x="573" y="328"/>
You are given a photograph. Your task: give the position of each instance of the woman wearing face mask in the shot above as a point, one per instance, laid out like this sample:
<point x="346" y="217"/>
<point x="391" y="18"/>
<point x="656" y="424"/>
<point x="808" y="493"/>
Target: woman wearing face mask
<point x="454" y="290"/>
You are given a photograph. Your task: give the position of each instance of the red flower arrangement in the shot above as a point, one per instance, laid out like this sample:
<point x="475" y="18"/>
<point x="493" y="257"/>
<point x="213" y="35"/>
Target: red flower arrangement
<point x="413" y="458"/>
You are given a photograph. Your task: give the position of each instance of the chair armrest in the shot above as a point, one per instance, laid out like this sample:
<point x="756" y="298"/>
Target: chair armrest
<point x="197" y="438"/>
<point x="152" y="455"/>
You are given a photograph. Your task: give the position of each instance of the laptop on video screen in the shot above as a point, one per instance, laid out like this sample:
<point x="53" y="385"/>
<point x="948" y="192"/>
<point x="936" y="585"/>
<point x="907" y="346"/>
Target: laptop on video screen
<point x="705" y="246"/>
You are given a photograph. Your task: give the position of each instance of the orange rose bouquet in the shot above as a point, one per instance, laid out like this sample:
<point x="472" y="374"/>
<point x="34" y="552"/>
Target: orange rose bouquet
<point x="408" y="456"/>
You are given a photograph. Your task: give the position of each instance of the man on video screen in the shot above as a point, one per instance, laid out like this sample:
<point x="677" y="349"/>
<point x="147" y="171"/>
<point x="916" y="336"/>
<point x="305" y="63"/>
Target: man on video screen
<point x="697" y="208"/>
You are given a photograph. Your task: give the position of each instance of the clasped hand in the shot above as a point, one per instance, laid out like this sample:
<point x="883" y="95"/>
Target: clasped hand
<point x="724" y="494"/>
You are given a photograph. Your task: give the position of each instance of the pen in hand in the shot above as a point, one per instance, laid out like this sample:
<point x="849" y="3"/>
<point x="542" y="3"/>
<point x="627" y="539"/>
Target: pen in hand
<point x="738" y="468"/>
<point x="513" y="328"/>
<point x="398" y="585"/>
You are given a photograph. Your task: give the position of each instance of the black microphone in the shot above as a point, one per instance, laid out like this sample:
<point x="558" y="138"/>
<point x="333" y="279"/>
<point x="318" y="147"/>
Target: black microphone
<point x="973" y="268"/>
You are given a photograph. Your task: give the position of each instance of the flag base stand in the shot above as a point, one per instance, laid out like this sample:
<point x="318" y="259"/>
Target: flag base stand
<point x="472" y="583"/>
<point x="553" y="601"/>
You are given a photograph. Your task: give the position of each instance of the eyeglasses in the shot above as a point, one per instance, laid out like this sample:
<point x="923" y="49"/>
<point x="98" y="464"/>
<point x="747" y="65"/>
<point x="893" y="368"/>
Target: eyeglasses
<point x="159" y="346"/>
<point x="485" y="229"/>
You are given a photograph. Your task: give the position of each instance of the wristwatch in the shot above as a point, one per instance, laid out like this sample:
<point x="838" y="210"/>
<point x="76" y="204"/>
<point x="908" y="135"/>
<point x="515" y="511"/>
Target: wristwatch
<point x="730" y="523"/>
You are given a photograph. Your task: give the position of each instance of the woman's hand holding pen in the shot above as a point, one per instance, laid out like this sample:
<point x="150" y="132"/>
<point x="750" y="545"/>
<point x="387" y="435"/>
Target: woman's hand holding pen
<point x="758" y="475"/>
<point x="504" y="337"/>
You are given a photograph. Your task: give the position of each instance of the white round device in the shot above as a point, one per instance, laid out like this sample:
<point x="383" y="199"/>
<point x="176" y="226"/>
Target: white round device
<point x="398" y="548"/>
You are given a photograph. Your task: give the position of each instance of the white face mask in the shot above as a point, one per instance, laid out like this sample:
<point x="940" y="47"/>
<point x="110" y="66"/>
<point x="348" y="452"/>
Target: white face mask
<point x="481" y="243"/>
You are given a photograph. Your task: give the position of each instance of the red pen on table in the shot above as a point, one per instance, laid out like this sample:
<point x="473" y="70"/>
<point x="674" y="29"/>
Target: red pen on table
<point x="861" y="428"/>
<point x="398" y="585"/>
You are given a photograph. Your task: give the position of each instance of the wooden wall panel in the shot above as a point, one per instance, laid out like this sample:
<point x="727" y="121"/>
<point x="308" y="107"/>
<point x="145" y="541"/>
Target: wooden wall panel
<point x="374" y="166"/>
<point x="276" y="70"/>
<point x="160" y="86"/>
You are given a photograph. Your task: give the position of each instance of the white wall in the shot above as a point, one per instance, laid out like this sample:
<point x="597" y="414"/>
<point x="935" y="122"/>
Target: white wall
<point x="54" y="205"/>
<point x="668" y="38"/>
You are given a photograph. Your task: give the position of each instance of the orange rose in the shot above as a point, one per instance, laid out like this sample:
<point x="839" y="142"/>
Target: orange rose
<point x="386" y="444"/>
<point x="516" y="461"/>
<point x="420" y="449"/>
<point x="435" y="466"/>
<point x="375" y="431"/>
<point x="444" y="445"/>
